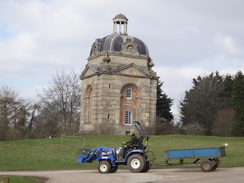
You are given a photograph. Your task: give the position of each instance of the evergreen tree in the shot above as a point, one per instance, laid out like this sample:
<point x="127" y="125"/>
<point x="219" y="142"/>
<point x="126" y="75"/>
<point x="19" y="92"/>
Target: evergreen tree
<point x="199" y="107"/>
<point x="224" y="118"/>
<point x="164" y="104"/>
<point x="238" y="103"/>
<point x="227" y="92"/>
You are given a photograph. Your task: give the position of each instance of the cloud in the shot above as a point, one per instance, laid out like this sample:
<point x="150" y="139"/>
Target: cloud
<point x="227" y="44"/>
<point x="185" y="38"/>
<point x="177" y="80"/>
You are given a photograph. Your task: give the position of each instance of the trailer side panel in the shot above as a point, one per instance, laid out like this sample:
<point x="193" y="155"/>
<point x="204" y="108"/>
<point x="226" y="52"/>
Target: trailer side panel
<point x="213" y="152"/>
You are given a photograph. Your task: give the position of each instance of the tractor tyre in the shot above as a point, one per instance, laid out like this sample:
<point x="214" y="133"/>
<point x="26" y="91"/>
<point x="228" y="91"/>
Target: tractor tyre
<point x="147" y="167"/>
<point x="113" y="169"/>
<point x="207" y="166"/>
<point x="104" y="167"/>
<point x="136" y="163"/>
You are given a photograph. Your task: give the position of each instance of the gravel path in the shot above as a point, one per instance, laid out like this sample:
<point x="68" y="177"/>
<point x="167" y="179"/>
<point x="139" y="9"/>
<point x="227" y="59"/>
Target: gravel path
<point x="221" y="175"/>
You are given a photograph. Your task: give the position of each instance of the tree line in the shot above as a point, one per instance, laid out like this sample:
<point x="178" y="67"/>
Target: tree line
<point x="55" y="112"/>
<point x="213" y="106"/>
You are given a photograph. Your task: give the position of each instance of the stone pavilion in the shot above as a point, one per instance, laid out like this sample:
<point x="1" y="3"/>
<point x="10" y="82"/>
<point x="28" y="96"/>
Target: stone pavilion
<point x="118" y="83"/>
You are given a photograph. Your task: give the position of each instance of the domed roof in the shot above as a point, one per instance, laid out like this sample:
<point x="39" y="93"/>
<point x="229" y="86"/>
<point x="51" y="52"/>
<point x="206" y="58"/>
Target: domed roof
<point x="120" y="17"/>
<point x="114" y="42"/>
<point x="120" y="41"/>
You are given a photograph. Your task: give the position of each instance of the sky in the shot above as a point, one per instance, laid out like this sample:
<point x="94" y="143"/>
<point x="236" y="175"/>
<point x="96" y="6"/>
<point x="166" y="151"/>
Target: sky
<point x="185" y="38"/>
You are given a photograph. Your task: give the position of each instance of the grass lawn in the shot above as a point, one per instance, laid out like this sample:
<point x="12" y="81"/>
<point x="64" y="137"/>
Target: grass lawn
<point x="21" y="179"/>
<point x="49" y="154"/>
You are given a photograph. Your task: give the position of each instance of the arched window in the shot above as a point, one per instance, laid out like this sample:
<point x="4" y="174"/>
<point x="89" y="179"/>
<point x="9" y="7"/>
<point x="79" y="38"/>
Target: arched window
<point x="128" y="93"/>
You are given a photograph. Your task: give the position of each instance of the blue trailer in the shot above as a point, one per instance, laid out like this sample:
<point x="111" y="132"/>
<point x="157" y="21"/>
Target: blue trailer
<point x="208" y="156"/>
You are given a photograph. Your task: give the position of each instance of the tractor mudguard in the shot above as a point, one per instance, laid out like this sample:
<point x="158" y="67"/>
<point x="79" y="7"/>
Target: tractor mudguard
<point x="135" y="151"/>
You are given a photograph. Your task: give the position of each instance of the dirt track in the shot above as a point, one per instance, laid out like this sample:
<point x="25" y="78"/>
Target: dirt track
<point x="221" y="175"/>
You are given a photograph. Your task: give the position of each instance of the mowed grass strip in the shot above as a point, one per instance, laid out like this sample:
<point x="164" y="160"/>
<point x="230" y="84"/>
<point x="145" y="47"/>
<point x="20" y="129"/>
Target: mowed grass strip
<point x="50" y="154"/>
<point x="24" y="179"/>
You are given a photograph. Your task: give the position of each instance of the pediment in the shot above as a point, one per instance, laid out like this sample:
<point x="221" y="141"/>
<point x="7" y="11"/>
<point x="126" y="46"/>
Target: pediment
<point x="126" y="70"/>
<point x="131" y="70"/>
<point x="89" y="70"/>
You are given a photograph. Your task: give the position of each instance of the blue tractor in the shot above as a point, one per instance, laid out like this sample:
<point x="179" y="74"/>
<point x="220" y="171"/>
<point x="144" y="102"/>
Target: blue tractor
<point x="109" y="158"/>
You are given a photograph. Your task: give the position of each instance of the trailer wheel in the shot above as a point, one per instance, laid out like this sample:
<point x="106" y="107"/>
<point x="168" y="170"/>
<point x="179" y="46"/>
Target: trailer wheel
<point x="207" y="166"/>
<point x="104" y="167"/>
<point x="113" y="169"/>
<point x="216" y="164"/>
<point x="136" y="163"/>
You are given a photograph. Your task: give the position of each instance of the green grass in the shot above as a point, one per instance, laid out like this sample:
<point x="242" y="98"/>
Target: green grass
<point x="21" y="179"/>
<point x="50" y="154"/>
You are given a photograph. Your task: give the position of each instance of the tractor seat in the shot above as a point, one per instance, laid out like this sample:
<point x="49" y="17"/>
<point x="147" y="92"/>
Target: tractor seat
<point x="138" y="144"/>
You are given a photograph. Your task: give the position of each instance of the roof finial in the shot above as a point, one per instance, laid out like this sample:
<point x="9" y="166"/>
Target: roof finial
<point x="120" y="21"/>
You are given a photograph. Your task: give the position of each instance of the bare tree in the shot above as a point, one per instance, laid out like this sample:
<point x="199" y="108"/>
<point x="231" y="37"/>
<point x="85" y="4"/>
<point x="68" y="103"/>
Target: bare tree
<point x="60" y="104"/>
<point x="8" y="105"/>
<point x="14" y="114"/>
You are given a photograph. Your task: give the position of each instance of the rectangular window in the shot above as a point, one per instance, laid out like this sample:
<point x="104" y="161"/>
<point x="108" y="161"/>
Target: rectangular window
<point x="127" y="132"/>
<point x="128" y="117"/>
<point x="129" y="93"/>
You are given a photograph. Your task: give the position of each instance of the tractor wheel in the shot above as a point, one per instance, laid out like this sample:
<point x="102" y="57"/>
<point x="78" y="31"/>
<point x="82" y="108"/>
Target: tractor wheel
<point x="113" y="169"/>
<point x="207" y="166"/>
<point x="104" y="167"/>
<point x="147" y="167"/>
<point x="136" y="163"/>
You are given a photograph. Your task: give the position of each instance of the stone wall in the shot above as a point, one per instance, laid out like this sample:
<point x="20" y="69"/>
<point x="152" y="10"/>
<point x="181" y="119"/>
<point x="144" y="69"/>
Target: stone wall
<point x="107" y="81"/>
